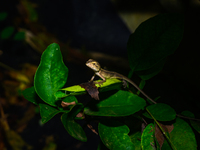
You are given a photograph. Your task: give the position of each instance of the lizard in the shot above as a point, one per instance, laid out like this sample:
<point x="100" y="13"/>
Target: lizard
<point x="105" y="74"/>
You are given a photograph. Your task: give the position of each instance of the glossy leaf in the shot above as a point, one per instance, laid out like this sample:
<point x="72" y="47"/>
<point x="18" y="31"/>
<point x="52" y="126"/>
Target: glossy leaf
<point x="122" y="103"/>
<point x="47" y="112"/>
<point x="7" y="32"/>
<point x="155" y="39"/>
<point x="161" y="112"/>
<point x="115" y="135"/>
<point x="72" y="127"/>
<point x="3" y="15"/>
<point x="31" y="95"/>
<point x="147" y="141"/>
<point x="51" y="74"/>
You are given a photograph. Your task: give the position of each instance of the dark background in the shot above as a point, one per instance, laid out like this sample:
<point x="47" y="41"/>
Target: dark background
<point x="92" y="28"/>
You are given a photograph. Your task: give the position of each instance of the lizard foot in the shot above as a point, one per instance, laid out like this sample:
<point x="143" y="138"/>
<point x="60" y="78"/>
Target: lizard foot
<point x="99" y="82"/>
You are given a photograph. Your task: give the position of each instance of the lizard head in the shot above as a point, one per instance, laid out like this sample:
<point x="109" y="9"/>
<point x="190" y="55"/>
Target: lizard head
<point x="94" y="65"/>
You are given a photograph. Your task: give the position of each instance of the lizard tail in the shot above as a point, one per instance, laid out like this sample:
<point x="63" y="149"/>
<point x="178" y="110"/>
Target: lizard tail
<point x="131" y="82"/>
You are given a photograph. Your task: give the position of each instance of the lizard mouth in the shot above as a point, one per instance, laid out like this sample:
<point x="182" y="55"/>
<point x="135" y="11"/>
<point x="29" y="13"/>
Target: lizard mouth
<point x="90" y="66"/>
<point x="87" y="64"/>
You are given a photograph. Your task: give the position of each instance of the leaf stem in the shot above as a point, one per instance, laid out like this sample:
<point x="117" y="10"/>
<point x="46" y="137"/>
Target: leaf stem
<point x="172" y="145"/>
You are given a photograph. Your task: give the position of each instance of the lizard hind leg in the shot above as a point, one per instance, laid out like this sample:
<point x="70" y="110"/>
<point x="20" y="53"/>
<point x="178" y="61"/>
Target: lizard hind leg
<point x="124" y="83"/>
<point x="99" y="82"/>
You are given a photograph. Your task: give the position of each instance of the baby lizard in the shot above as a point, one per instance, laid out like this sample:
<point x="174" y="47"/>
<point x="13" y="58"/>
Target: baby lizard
<point x="105" y="74"/>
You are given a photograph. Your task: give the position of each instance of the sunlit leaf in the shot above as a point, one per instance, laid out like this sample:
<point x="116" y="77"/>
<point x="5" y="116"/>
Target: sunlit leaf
<point x="110" y="84"/>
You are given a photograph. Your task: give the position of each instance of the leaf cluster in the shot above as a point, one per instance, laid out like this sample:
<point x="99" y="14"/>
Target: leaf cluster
<point x="122" y="115"/>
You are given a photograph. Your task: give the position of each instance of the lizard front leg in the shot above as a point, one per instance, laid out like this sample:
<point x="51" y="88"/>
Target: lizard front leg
<point x="100" y="82"/>
<point x="92" y="78"/>
<point x="97" y="82"/>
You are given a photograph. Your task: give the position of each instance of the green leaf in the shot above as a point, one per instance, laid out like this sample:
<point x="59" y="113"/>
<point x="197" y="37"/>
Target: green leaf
<point x="136" y="140"/>
<point x="182" y="136"/>
<point x="154" y="40"/>
<point x="122" y="103"/>
<point x="101" y="146"/>
<point x="70" y="99"/>
<point x="7" y="32"/>
<point x="110" y="84"/>
<point x="3" y="15"/>
<point x="115" y="135"/>
<point x="147" y="140"/>
<point x="188" y="114"/>
<point x="51" y="74"/>
<point x="19" y="36"/>
<point x="194" y="124"/>
<point x="161" y="112"/>
<point x="47" y="112"/>
<point x="72" y="127"/>
<point x="31" y="95"/>
<point x="151" y="72"/>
